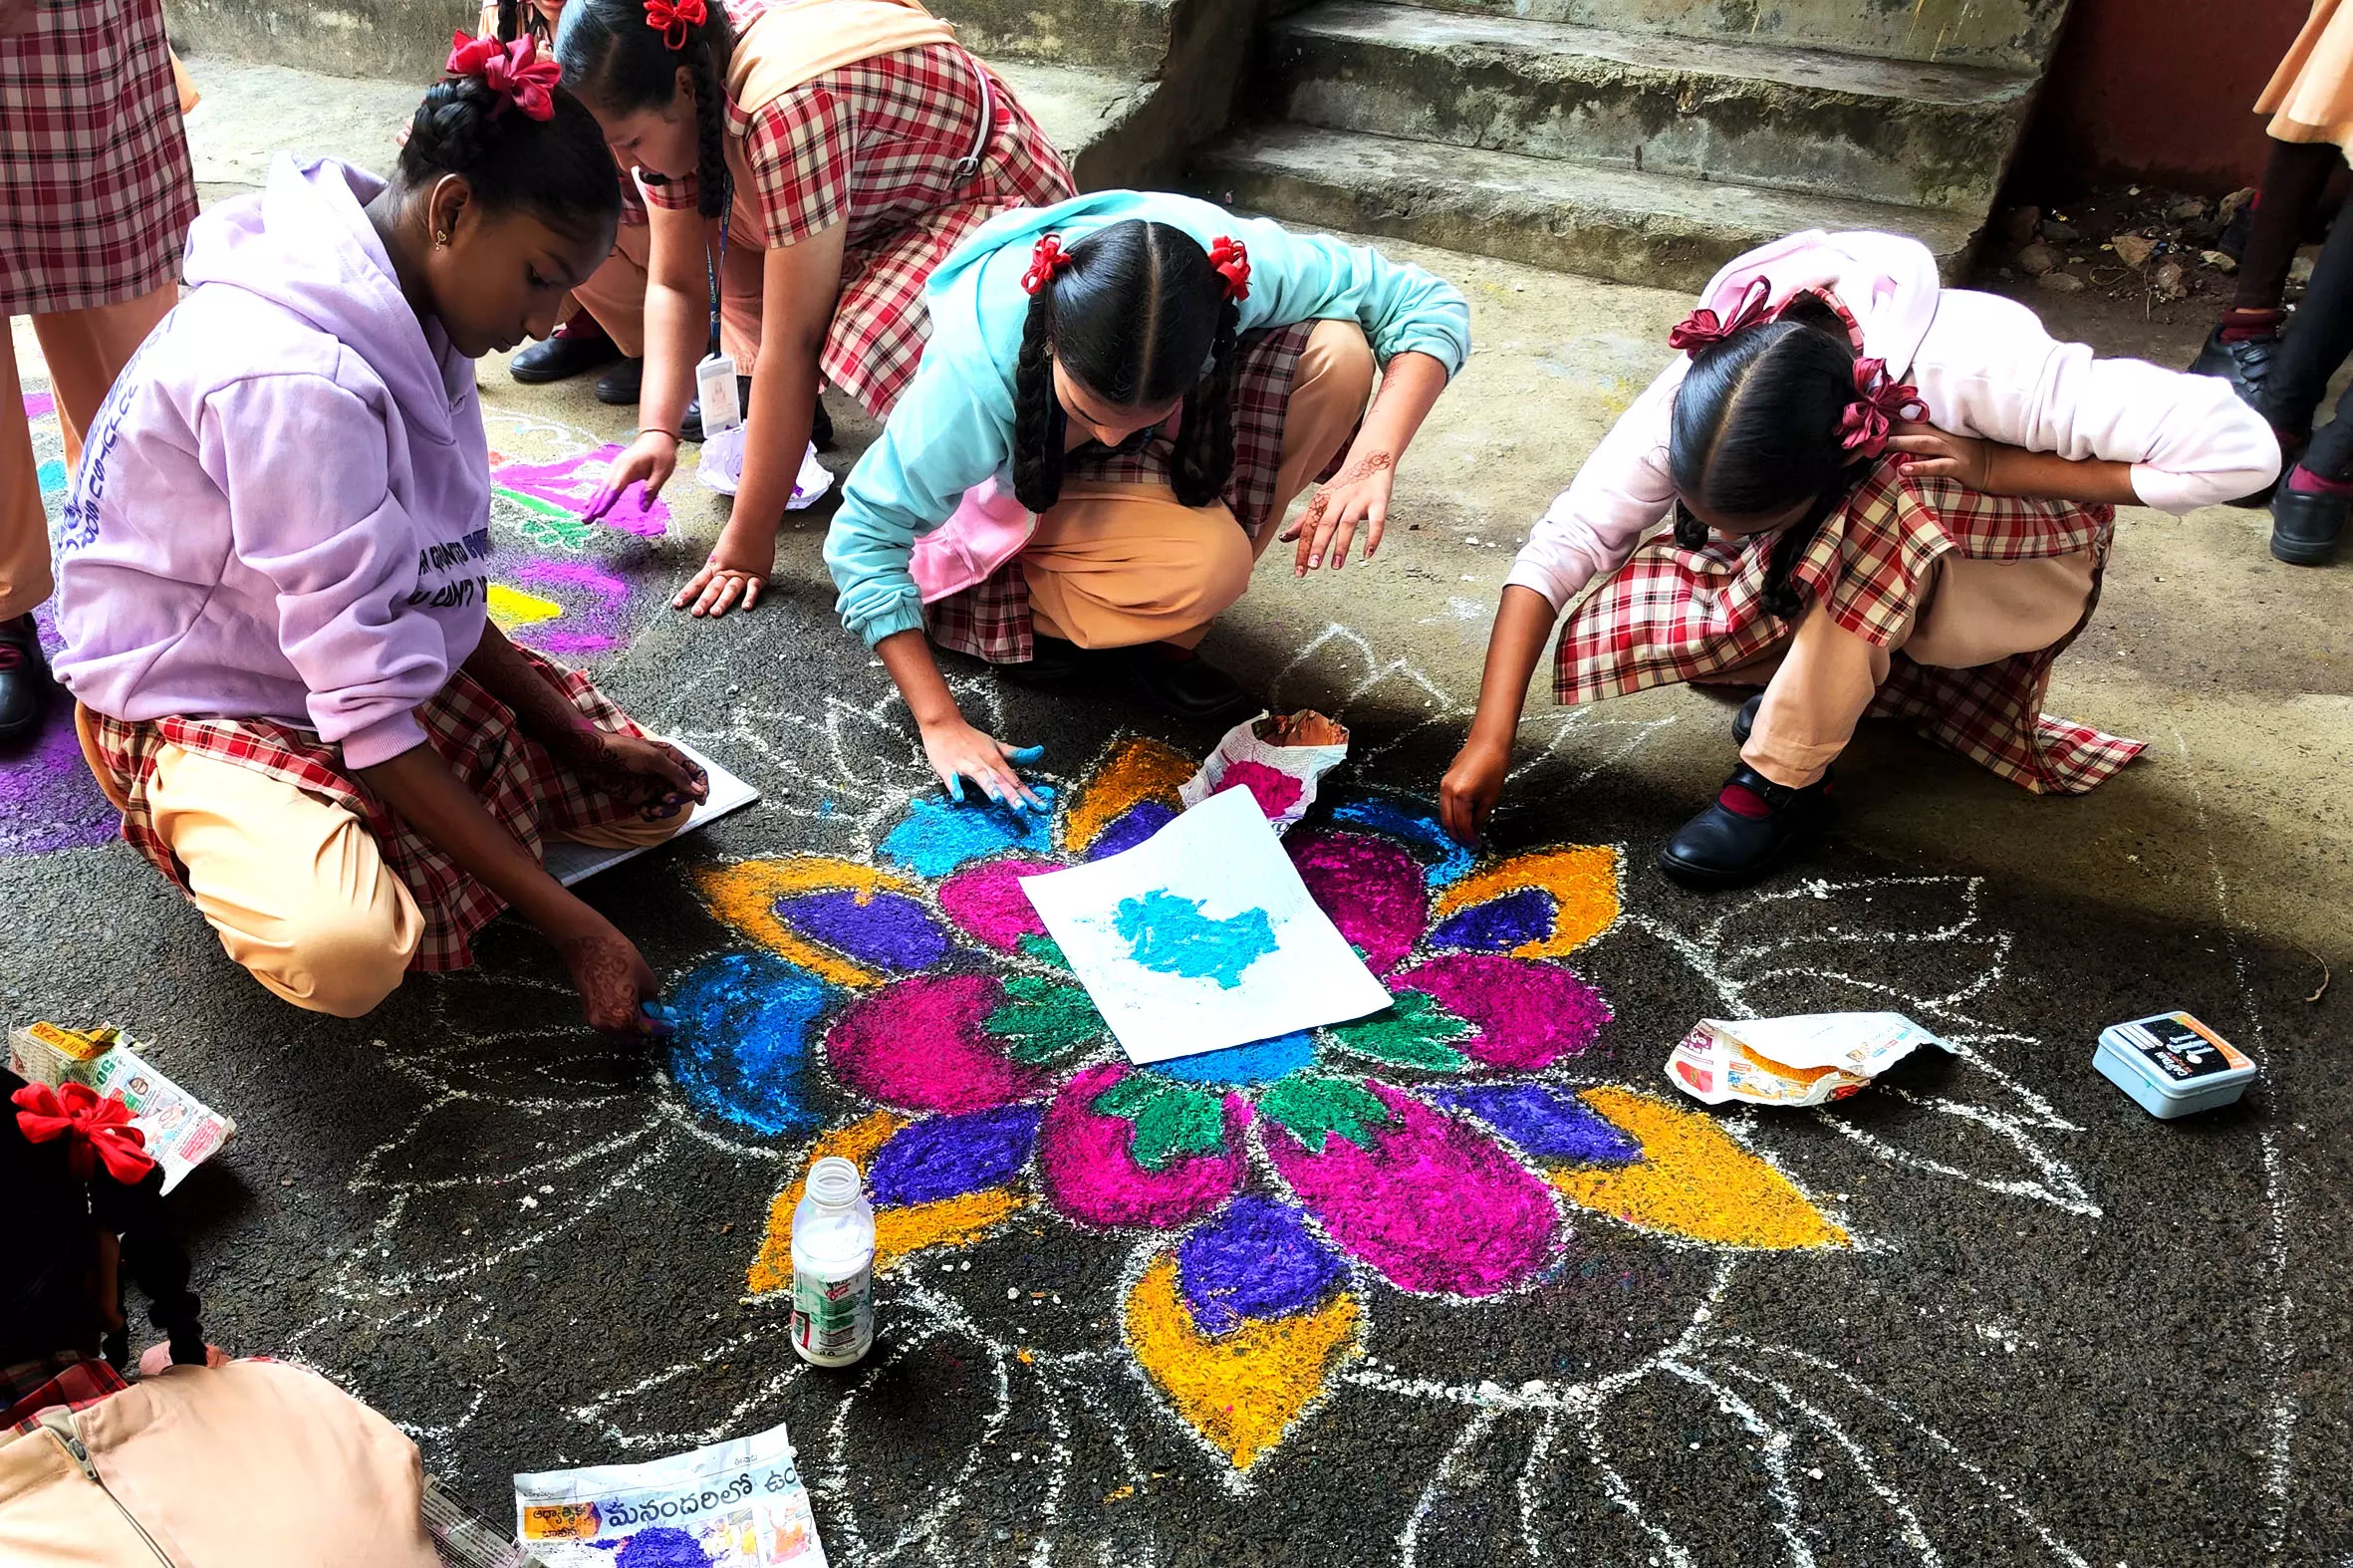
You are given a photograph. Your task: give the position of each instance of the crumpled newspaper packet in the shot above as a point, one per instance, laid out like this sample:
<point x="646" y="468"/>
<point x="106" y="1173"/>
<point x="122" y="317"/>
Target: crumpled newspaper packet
<point x="1807" y="1059"/>
<point x="1277" y="757"/>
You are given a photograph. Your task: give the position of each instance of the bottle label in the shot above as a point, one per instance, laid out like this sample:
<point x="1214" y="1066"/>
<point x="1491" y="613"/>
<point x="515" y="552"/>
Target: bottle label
<point x="833" y="1317"/>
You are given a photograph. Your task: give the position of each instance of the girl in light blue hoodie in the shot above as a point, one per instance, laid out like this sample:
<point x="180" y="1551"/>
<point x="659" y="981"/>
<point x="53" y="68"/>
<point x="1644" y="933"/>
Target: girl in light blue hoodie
<point x="1112" y="385"/>
<point x="271" y="583"/>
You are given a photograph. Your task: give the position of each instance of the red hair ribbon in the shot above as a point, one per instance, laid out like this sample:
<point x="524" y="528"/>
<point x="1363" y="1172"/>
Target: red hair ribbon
<point x="94" y="1128"/>
<point x="1232" y="261"/>
<point x="513" y="70"/>
<point x="672" y="18"/>
<point x="1045" y="262"/>
<point x="1703" y="328"/>
<point x="1878" y="403"/>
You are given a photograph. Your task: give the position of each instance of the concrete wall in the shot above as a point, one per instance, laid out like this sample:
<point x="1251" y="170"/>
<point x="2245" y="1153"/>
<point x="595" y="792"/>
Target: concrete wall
<point x="2156" y="90"/>
<point x="407" y="39"/>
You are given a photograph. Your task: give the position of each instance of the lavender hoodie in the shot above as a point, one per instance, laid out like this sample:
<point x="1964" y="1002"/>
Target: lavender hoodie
<point x="284" y="506"/>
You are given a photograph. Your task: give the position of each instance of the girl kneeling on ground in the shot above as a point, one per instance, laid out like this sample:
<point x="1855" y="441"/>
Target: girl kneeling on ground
<point x="271" y="580"/>
<point x="842" y="148"/>
<point x="1120" y="396"/>
<point x="1889" y="498"/>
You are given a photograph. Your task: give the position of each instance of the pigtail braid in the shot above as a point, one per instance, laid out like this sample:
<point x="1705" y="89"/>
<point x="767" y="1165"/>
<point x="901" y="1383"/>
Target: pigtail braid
<point x="510" y="20"/>
<point x="1037" y="412"/>
<point x="1203" y="459"/>
<point x="711" y="132"/>
<point x="1779" y="595"/>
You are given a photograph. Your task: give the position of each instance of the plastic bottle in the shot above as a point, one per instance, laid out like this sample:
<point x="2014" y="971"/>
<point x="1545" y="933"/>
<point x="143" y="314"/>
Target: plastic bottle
<point x="833" y="1267"/>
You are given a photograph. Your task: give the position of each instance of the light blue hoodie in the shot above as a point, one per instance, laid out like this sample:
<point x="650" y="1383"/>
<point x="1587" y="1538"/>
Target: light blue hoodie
<point x="955" y="427"/>
<point x="284" y="507"/>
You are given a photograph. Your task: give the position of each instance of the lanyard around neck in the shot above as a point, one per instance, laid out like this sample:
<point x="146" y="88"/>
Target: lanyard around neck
<point x="713" y="273"/>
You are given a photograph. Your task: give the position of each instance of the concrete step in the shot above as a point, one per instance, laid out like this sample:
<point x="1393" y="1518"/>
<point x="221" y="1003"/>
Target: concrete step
<point x="1835" y="125"/>
<point x="2016" y="35"/>
<point x="1112" y="35"/>
<point x="1649" y="229"/>
<point x="1096" y="119"/>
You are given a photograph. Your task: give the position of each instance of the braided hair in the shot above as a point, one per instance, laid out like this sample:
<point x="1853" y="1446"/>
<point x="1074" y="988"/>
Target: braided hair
<point x="1756" y="429"/>
<point x="611" y="53"/>
<point x="49" y="1297"/>
<point x="518" y="17"/>
<point x="559" y="168"/>
<point x="1139" y="316"/>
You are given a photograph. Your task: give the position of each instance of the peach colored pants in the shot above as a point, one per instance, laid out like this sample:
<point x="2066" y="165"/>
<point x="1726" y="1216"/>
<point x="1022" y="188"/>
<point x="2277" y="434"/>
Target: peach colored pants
<point x="86" y="351"/>
<point x="1820" y="684"/>
<point x="1117" y="565"/>
<point x="614" y="294"/>
<point x="295" y="886"/>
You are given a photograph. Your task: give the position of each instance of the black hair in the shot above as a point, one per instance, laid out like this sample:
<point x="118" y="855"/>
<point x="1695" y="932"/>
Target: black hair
<point x="1139" y="316"/>
<point x="611" y="54"/>
<point x="558" y="168"/>
<point x="48" y="1296"/>
<point x="518" y="17"/>
<point x="1755" y="429"/>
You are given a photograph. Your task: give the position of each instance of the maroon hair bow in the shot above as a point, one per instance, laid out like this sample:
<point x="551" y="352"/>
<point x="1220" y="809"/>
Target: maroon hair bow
<point x="1232" y="261"/>
<point x="1878" y="403"/>
<point x="513" y="70"/>
<point x="674" y="18"/>
<point x="1045" y="262"/>
<point x="95" y="1129"/>
<point x="1704" y="327"/>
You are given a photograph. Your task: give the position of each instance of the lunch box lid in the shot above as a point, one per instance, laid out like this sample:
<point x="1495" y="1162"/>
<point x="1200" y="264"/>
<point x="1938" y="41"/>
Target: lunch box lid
<point x="2175" y="1055"/>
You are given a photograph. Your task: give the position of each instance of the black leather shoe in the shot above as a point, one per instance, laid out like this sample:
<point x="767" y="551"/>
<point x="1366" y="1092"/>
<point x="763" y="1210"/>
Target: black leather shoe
<point x="1741" y="836"/>
<point x="620" y="386"/>
<point x="2245" y="364"/>
<point x="24" y="677"/>
<point x="1054" y="665"/>
<point x="564" y="355"/>
<point x="1182" y="684"/>
<point x="2306" y="524"/>
<point x="1745" y="721"/>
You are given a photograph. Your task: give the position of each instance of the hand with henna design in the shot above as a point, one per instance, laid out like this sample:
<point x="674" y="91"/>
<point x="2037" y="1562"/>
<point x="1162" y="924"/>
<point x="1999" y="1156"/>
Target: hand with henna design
<point x="654" y="775"/>
<point x="610" y="975"/>
<point x="1357" y="497"/>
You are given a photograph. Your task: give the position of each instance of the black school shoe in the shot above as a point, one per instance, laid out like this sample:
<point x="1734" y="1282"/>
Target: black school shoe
<point x="1745" y="721"/>
<point x="563" y="355"/>
<point x="24" y="677"/>
<point x="2245" y="364"/>
<point x="1054" y="666"/>
<point x="2307" y="525"/>
<point x="619" y="387"/>
<point x="1182" y="684"/>
<point x="1743" y="833"/>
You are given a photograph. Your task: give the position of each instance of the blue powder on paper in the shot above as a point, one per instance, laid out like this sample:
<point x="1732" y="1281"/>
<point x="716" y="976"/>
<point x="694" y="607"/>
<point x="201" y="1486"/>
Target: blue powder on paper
<point x="938" y="834"/>
<point x="662" y="1547"/>
<point x="1170" y="936"/>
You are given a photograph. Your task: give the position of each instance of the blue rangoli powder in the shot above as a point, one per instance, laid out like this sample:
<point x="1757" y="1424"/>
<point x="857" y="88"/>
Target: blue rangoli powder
<point x="1499" y="925"/>
<point x="1257" y="1260"/>
<point x="662" y="1547"/>
<point x="1169" y="934"/>
<point x="744" y="1025"/>
<point x="1428" y="838"/>
<point x="940" y="834"/>
<point x="1260" y="1062"/>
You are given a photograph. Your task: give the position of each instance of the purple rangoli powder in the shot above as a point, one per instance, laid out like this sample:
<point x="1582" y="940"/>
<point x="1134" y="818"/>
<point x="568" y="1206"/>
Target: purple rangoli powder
<point x="48" y="800"/>
<point x="948" y="1156"/>
<point x="1529" y="1012"/>
<point x="1548" y="1123"/>
<point x="1499" y="925"/>
<point x="986" y="901"/>
<point x="593" y="600"/>
<point x="887" y="930"/>
<point x="917" y="1044"/>
<point x="1257" y="1260"/>
<point x="1091" y="1175"/>
<point x="1132" y="827"/>
<point x="1435" y="1204"/>
<point x="572" y="483"/>
<point x="662" y="1547"/>
<point x="1370" y="888"/>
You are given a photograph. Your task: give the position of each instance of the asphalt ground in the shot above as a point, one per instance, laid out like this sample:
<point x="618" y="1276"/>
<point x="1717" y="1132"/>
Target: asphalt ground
<point x="2028" y="1323"/>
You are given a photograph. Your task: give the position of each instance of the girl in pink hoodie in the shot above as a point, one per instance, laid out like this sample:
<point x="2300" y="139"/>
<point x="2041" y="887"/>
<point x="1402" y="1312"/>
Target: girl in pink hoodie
<point x="1889" y="497"/>
<point x="271" y="570"/>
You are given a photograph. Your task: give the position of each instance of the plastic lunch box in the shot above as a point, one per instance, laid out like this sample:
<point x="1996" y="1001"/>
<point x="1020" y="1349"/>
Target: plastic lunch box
<point x="2173" y="1063"/>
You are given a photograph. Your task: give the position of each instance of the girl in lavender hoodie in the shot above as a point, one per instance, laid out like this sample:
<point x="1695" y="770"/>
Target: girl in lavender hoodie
<point x="271" y="577"/>
<point x="1888" y="498"/>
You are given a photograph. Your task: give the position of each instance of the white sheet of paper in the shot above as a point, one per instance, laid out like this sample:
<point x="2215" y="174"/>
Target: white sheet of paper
<point x="569" y="862"/>
<point x="1204" y="936"/>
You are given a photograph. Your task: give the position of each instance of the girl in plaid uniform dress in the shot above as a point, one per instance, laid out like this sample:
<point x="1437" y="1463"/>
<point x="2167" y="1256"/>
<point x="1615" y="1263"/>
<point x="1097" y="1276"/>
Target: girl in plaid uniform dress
<point x="1112" y="386"/>
<point x="1889" y="498"/>
<point x="95" y="194"/>
<point x="860" y="145"/>
<point x="287" y="679"/>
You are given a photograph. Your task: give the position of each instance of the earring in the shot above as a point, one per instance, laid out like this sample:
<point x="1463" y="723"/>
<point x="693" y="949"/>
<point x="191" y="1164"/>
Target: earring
<point x="441" y="240"/>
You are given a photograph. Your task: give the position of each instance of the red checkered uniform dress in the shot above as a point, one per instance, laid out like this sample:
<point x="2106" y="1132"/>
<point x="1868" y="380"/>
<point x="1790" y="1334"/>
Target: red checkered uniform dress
<point x="533" y="796"/>
<point x="95" y="191"/>
<point x="1670" y="615"/>
<point x="875" y="146"/>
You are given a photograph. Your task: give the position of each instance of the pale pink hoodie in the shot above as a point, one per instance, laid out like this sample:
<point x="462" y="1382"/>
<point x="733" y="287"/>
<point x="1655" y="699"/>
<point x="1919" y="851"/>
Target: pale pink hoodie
<point x="1983" y="365"/>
